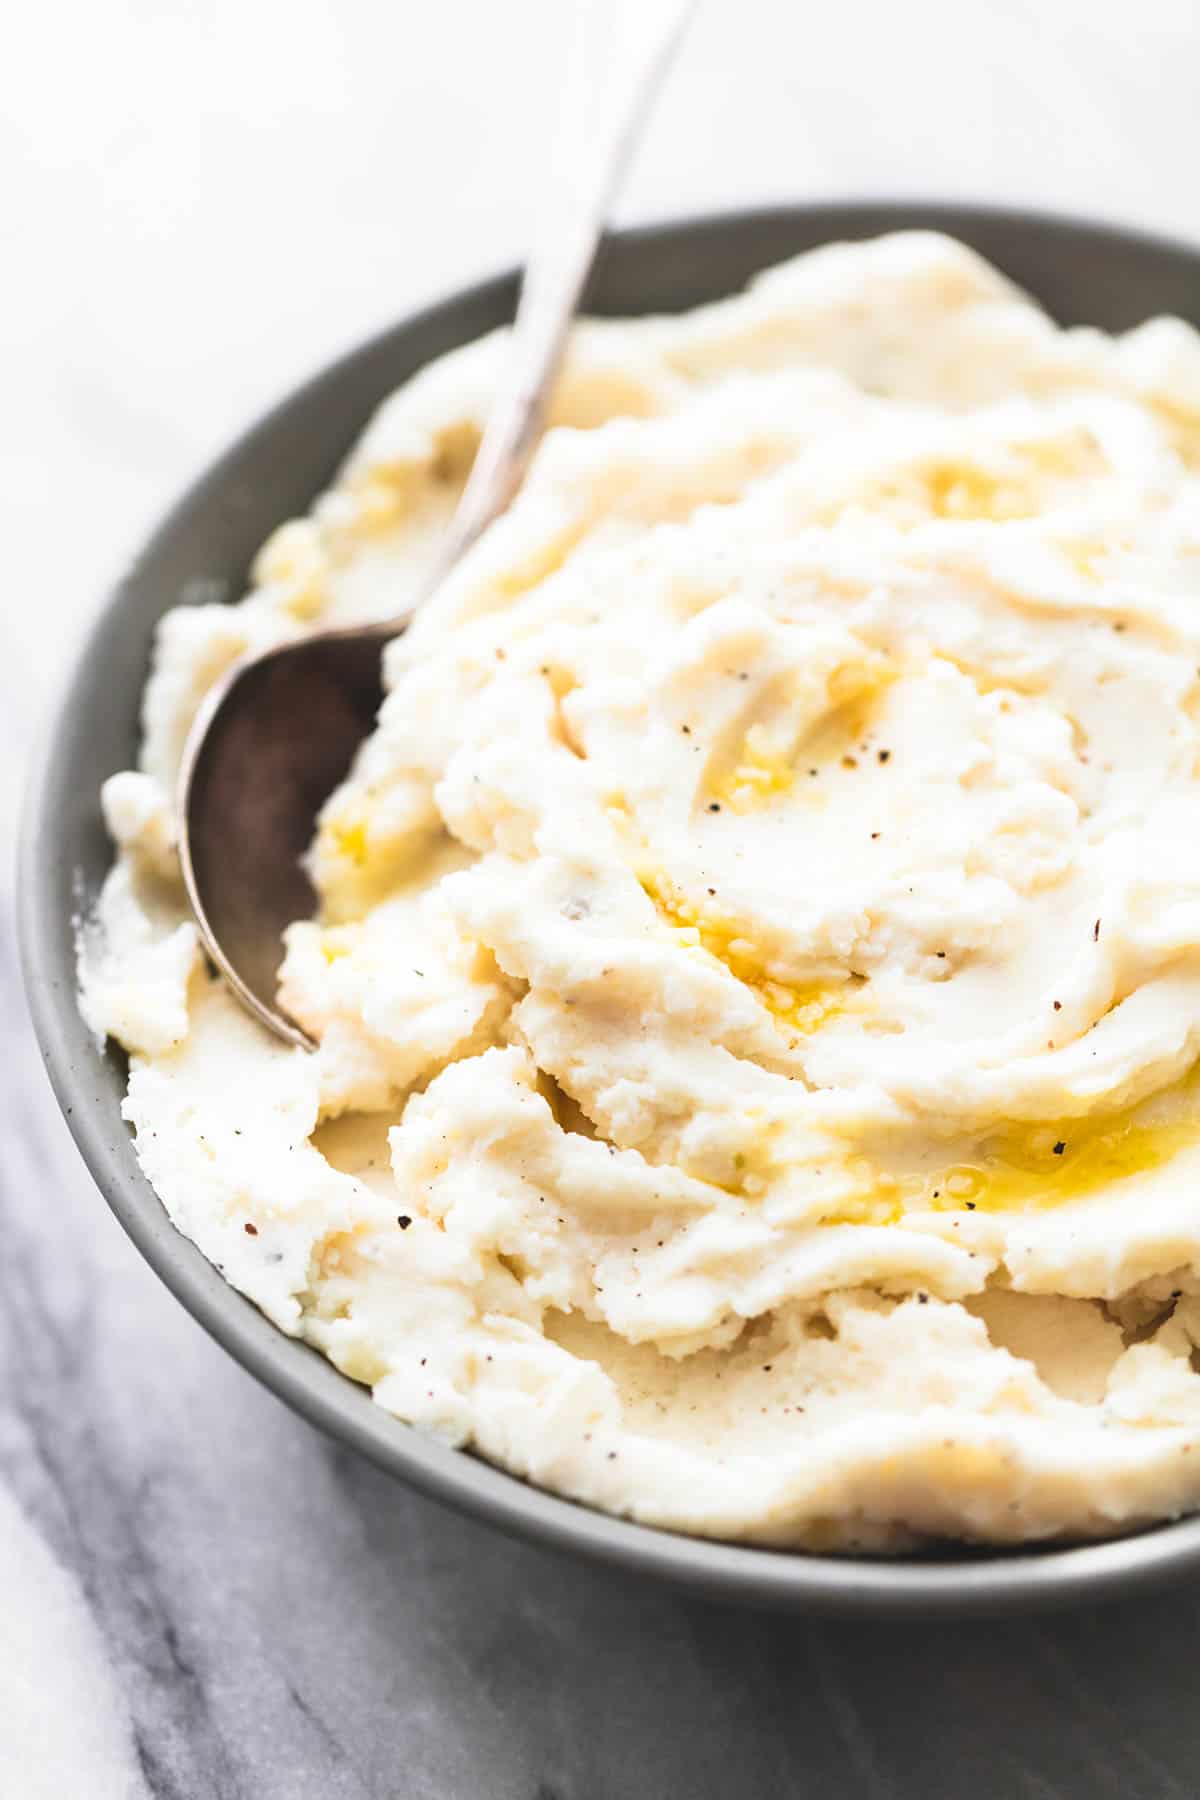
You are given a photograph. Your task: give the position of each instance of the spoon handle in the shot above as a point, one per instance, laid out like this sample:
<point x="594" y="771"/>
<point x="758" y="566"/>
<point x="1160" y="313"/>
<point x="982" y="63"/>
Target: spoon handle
<point x="553" y="282"/>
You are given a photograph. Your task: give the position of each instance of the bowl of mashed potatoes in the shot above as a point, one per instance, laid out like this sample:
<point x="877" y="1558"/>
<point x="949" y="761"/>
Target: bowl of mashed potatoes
<point x="753" y="1134"/>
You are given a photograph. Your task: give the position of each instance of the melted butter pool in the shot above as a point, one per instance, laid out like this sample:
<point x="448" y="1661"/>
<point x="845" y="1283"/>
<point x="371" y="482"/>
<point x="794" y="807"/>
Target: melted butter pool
<point x="1053" y="1164"/>
<point x="1030" y="1168"/>
<point x="799" y="1008"/>
<point x="1026" y="1168"/>
<point x="760" y="770"/>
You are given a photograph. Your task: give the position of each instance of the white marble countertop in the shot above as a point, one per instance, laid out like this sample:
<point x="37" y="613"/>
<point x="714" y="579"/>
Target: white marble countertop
<point x="202" y="1596"/>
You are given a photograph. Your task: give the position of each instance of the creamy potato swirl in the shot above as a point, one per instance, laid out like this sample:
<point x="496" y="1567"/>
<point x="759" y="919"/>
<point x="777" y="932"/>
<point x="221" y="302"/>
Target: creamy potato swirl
<point x="757" y="983"/>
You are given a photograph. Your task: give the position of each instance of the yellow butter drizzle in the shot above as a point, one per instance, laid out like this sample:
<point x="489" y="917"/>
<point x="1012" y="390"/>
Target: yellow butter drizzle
<point x="358" y="859"/>
<point x="350" y="841"/>
<point x="802" y="1008"/>
<point x="1028" y="1168"/>
<point x="961" y="488"/>
<point x="761" y="771"/>
<point x="338" y="941"/>
<point x="1019" y="1172"/>
<point x="961" y="491"/>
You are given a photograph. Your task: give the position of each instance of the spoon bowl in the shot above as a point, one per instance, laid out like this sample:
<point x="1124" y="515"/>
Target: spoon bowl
<point x="272" y="741"/>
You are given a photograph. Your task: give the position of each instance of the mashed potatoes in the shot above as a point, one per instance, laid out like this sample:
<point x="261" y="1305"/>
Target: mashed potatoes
<point x="758" y="977"/>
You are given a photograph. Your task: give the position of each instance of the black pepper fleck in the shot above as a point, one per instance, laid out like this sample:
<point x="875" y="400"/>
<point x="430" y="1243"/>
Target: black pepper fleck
<point x="404" y="1221"/>
<point x="1059" y="1147"/>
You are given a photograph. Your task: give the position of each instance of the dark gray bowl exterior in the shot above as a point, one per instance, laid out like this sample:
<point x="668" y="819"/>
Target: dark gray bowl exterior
<point x="1083" y="273"/>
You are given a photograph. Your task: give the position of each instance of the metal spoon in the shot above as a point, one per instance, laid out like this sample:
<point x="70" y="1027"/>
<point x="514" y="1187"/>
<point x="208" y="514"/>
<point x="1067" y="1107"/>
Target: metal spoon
<point x="279" y="731"/>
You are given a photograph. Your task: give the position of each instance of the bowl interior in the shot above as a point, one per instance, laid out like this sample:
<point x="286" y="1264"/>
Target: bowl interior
<point x="1085" y="274"/>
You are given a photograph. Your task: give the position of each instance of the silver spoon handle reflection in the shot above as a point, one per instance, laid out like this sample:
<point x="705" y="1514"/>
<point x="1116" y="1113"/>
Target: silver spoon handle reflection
<point x="553" y="282"/>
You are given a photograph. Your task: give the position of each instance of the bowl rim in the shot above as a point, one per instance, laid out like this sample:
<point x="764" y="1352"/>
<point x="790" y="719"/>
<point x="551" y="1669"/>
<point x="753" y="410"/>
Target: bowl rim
<point x="966" y="1582"/>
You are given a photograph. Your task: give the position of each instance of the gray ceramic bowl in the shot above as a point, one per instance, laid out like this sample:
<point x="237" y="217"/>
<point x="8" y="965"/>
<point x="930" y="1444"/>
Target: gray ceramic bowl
<point x="1084" y="274"/>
